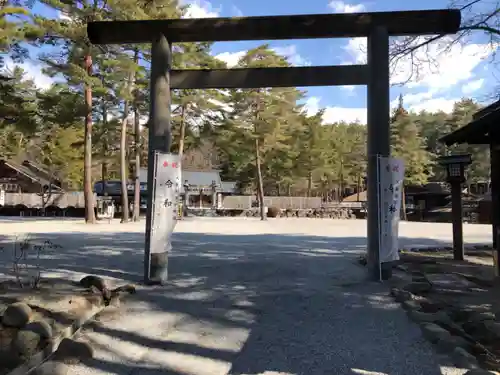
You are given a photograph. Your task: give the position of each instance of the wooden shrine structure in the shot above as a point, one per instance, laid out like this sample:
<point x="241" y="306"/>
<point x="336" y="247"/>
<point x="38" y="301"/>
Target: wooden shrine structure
<point x="484" y="129"/>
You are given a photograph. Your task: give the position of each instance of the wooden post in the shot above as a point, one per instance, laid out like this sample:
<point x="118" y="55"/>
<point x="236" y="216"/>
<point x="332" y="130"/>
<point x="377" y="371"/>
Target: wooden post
<point x="160" y="139"/>
<point x="495" y="201"/>
<point x="457" y="220"/>
<point x="378" y="140"/>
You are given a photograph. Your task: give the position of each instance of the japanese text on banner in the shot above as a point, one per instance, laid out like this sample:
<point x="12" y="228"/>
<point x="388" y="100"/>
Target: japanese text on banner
<point x="166" y="198"/>
<point x="391" y="172"/>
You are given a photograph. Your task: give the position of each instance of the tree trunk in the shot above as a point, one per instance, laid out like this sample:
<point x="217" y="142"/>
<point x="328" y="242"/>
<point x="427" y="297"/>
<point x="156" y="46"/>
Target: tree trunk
<point x="358" y="187"/>
<point x="123" y="164"/>
<point x="182" y="130"/>
<point x="403" y="203"/>
<point x="309" y="183"/>
<point x="137" y="150"/>
<point x="260" y="184"/>
<point x="104" y="177"/>
<point x="87" y="163"/>
<point x="341" y="185"/>
<point x="104" y="164"/>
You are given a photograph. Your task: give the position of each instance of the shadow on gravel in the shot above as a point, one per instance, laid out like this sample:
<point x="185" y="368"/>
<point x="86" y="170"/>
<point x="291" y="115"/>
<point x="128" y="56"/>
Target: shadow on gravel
<point x="285" y="304"/>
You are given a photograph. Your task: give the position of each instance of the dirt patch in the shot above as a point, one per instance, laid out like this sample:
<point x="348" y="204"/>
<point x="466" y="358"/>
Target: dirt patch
<point x="457" y="303"/>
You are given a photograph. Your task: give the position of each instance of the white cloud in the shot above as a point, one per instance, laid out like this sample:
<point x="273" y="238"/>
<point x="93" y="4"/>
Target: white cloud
<point x="231" y="58"/>
<point x="335" y="114"/>
<point x="442" y="65"/>
<point x="426" y="101"/>
<point x="290" y="52"/>
<point x="311" y="106"/>
<point x="342" y="7"/>
<point x="435" y="105"/>
<point x="472" y="86"/>
<point x="33" y="72"/>
<point x="200" y="9"/>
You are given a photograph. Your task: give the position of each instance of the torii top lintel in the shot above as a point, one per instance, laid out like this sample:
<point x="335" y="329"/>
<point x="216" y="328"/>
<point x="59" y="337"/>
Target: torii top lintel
<point x="310" y="26"/>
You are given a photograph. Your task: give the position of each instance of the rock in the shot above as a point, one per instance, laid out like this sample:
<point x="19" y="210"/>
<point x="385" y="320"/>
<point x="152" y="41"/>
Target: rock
<point x="401" y="295"/>
<point x="9" y="359"/>
<point x="481" y="316"/>
<point x="461" y="314"/>
<point x="434" y="333"/>
<point x="52" y="368"/>
<point x="431" y="306"/>
<point x="72" y="349"/>
<point x="423" y="317"/>
<point x="479" y="371"/>
<point x="40" y="327"/>
<point x="492" y="326"/>
<point x="27" y="343"/>
<point x="448" y="344"/>
<point x="98" y="283"/>
<point x="128" y="288"/>
<point x="17" y="315"/>
<point x="418" y="287"/>
<point x="411" y="305"/>
<point x="462" y="358"/>
<point x="402" y="268"/>
<point x="419" y="279"/>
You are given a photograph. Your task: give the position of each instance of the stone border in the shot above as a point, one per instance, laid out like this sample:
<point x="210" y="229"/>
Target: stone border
<point x="439" y="249"/>
<point x="39" y="358"/>
<point x="451" y="340"/>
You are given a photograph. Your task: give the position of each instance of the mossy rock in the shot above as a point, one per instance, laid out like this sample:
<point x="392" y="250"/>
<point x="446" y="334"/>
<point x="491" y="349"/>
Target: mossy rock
<point x="418" y="287"/>
<point x="449" y="343"/>
<point x="31" y="339"/>
<point x="411" y="305"/>
<point x="70" y="349"/>
<point x="17" y="315"/>
<point x="27" y="343"/>
<point x="434" y="333"/>
<point x="422" y="317"/>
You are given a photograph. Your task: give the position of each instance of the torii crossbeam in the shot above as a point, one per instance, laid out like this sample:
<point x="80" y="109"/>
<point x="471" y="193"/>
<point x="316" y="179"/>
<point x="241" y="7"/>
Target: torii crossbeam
<point x="377" y="27"/>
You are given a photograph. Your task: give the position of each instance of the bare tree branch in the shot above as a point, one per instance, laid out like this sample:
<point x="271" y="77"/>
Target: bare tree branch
<point x="477" y="16"/>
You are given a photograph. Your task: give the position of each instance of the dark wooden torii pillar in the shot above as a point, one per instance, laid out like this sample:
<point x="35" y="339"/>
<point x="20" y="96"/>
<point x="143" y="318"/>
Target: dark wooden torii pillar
<point x="378" y="27"/>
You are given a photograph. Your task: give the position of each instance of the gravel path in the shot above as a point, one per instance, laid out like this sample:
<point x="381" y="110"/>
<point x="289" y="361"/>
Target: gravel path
<point x="281" y="297"/>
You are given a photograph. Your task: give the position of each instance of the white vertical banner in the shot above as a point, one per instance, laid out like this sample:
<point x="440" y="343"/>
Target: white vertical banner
<point x="391" y="172"/>
<point x="166" y="196"/>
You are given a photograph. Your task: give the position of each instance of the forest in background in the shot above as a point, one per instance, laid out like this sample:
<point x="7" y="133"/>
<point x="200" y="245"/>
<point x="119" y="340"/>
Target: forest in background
<point x="88" y="125"/>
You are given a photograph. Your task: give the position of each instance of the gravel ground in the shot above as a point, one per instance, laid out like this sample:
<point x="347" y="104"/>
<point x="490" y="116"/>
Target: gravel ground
<point x="246" y="297"/>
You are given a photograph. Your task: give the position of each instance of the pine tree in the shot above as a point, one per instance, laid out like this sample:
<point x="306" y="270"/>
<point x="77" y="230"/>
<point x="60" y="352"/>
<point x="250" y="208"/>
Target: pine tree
<point x="75" y="64"/>
<point x="18" y="113"/>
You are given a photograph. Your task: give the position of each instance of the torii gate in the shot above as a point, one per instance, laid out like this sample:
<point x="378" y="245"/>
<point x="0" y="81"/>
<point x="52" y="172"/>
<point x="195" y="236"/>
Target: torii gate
<point x="377" y="27"/>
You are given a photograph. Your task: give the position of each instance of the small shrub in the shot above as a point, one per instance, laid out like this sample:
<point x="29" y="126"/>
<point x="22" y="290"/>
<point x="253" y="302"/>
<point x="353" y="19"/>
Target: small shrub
<point x="25" y="258"/>
<point x="273" y="212"/>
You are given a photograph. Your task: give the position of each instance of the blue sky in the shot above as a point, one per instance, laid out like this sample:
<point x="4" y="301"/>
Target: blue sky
<point x="463" y="71"/>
